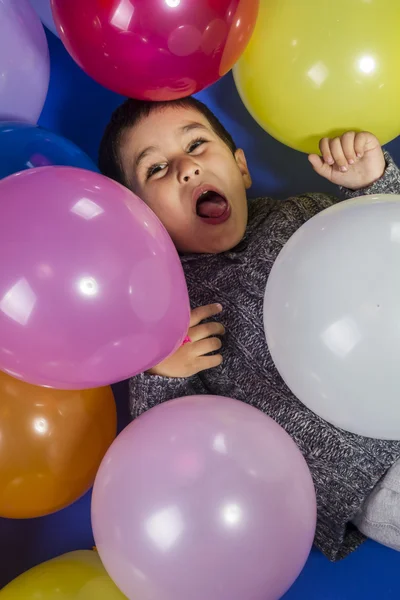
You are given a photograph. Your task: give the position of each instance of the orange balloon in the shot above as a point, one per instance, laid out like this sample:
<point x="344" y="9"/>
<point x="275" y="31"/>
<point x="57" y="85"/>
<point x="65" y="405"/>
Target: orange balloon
<point x="51" y="445"/>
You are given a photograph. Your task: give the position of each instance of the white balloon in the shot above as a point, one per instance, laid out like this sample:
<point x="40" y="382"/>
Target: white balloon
<point x="332" y="315"/>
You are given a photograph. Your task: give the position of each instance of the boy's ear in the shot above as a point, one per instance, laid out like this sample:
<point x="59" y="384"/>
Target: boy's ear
<point x="242" y="164"/>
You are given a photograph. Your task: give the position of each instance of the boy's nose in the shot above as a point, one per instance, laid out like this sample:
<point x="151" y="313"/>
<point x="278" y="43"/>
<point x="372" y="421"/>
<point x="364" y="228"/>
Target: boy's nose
<point x="187" y="170"/>
<point x="187" y="177"/>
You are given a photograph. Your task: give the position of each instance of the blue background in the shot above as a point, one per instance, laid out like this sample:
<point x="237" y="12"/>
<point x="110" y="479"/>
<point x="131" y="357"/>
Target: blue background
<point x="79" y="109"/>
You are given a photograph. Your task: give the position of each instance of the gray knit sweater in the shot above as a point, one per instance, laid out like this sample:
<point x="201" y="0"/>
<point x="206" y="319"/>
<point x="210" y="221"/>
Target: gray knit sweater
<point x="345" y="467"/>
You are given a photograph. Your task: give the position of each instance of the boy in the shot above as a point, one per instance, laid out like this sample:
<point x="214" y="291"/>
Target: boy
<point x="181" y="161"/>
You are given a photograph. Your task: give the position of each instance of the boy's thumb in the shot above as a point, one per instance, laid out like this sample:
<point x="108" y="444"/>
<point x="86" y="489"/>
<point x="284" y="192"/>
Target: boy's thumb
<point x="319" y="165"/>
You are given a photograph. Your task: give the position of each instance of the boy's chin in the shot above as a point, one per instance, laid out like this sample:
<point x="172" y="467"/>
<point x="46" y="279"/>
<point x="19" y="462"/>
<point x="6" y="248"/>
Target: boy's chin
<point x="213" y="239"/>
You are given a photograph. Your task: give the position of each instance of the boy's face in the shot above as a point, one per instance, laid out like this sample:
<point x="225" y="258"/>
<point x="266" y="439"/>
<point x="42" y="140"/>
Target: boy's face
<point x="188" y="176"/>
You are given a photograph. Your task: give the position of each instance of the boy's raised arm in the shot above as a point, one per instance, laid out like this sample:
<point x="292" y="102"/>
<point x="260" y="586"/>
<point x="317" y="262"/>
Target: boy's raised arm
<point x="357" y="163"/>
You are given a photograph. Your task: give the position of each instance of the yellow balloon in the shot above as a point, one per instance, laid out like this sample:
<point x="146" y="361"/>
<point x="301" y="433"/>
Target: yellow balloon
<point x="317" y="68"/>
<point x="74" y="576"/>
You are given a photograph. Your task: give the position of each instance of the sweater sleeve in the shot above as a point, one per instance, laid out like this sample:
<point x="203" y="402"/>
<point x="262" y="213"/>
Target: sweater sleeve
<point x="147" y="391"/>
<point x="389" y="183"/>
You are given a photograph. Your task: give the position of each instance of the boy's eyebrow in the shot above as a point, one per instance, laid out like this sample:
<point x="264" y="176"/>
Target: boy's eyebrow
<point x="185" y="129"/>
<point x="144" y="153"/>
<point x="190" y="126"/>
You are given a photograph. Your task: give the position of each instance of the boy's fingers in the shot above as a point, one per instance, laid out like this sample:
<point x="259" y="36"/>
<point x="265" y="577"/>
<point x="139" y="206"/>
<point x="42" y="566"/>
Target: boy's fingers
<point x="349" y="151"/>
<point x="326" y="151"/>
<point x="200" y="332"/>
<point x="210" y="362"/>
<point x="338" y="154"/>
<point x="204" y="312"/>
<point x="360" y="142"/>
<point x="206" y="346"/>
<point x="319" y="166"/>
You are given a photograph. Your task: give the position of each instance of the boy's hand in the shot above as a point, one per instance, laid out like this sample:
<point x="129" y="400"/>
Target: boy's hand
<point x="355" y="160"/>
<point x="192" y="357"/>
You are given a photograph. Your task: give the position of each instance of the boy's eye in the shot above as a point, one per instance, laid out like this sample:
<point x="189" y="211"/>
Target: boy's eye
<point x="154" y="169"/>
<point x="195" y="144"/>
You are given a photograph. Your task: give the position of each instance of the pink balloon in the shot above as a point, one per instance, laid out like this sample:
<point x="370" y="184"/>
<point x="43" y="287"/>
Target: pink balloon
<point x="203" y="498"/>
<point x="91" y="287"/>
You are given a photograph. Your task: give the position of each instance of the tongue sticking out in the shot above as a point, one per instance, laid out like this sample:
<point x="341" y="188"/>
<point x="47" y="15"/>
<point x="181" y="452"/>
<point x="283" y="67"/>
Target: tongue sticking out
<point x="212" y="205"/>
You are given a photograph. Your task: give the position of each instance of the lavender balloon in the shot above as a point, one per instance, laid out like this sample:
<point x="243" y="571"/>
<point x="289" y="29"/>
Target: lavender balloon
<point x="92" y="290"/>
<point x="24" y="62"/>
<point x="43" y="9"/>
<point x="203" y="498"/>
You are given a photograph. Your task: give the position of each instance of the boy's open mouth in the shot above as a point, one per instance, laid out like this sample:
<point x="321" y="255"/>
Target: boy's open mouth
<point x="211" y="205"/>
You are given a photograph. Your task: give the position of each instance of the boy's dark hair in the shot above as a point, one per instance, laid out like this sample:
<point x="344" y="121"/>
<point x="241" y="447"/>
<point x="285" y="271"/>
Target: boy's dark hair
<point x="128" y="114"/>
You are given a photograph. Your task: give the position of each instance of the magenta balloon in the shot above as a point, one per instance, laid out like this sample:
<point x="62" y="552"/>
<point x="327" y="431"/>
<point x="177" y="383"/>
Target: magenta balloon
<point x="155" y="49"/>
<point x="24" y="62"/>
<point x="91" y="287"/>
<point x="203" y="498"/>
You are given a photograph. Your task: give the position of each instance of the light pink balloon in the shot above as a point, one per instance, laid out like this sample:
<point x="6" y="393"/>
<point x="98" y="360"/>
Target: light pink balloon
<point x="204" y="498"/>
<point x="92" y="290"/>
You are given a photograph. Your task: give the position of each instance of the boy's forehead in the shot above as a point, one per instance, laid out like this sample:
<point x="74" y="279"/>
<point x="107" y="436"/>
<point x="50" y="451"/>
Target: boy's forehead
<point x="163" y="124"/>
<point x="174" y="119"/>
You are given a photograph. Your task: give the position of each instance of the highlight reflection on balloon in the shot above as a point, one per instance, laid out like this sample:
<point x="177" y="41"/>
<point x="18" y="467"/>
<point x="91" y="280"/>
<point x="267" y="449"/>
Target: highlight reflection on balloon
<point x="51" y="445"/>
<point x="332" y="315"/>
<point x="320" y="68"/>
<point x="157" y="49"/>
<point x="77" y="575"/>
<point x="203" y="494"/>
<point x="92" y="290"/>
